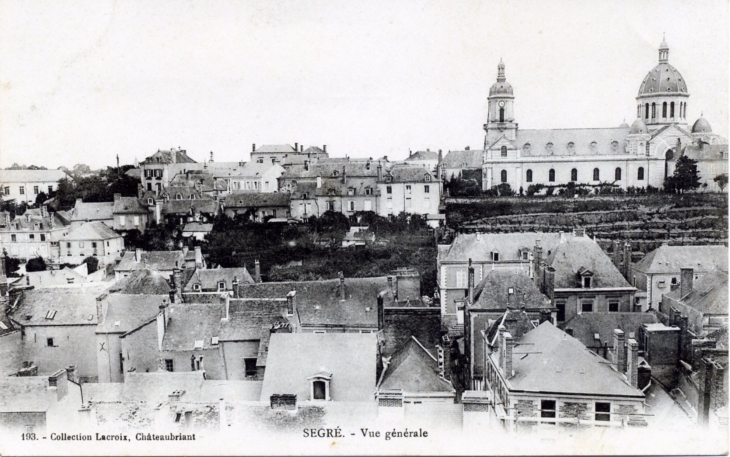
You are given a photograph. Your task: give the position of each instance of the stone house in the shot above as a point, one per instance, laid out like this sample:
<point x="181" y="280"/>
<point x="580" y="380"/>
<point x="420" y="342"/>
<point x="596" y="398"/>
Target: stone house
<point x="34" y="234"/>
<point x="25" y="185"/>
<point x="83" y="212"/>
<point x="91" y="239"/>
<point x="129" y="214"/>
<point x="704" y="302"/>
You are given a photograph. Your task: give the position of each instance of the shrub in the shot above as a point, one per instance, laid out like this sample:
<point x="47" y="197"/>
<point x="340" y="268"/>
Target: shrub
<point x="35" y="264"/>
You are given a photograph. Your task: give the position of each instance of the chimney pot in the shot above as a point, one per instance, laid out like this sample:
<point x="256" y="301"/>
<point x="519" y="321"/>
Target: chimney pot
<point x="253" y="148"/>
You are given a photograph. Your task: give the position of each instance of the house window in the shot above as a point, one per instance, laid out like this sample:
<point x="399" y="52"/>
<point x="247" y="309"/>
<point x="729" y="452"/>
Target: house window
<point x="350" y="191"/>
<point x="169" y="366"/>
<point x="617" y="175"/>
<point x="320" y="386"/>
<point x="503" y="151"/>
<point x="561" y="311"/>
<point x="368" y="191"/>
<point x="250" y="367"/>
<point x="388" y="189"/>
<point x="426" y="189"/>
<point x="122" y="220"/>
<point x="574" y="175"/>
<point x="603" y="411"/>
<point x="586" y="306"/>
<point x="221" y="286"/>
<point x="22" y="190"/>
<point x="504" y="175"/>
<point x="13" y="238"/>
<point x="408" y="203"/>
<point x="150" y="201"/>
<point x="661" y="284"/>
<point x="351" y="204"/>
<point x="547" y="410"/>
<point x="196" y="287"/>
<point x="408" y="189"/>
<point x="330" y="206"/>
<point x="674" y="281"/>
<point x="528" y="176"/>
<point x="68" y="246"/>
<point x="596" y="174"/>
<point x="43" y="237"/>
<point x="613" y="306"/>
<point x="640" y="174"/>
<point x="525" y="255"/>
<point x="551" y="175"/>
<point x="49" y="342"/>
<point x="6" y="190"/>
<point x="495" y="256"/>
<point x="178" y="196"/>
<point x="81" y="244"/>
<point x="35" y="190"/>
<point x="136" y="220"/>
<point x="586" y="282"/>
<point x="368" y="205"/>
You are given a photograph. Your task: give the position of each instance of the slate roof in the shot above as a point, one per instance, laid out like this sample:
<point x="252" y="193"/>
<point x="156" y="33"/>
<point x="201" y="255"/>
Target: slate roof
<point x="47" y="278"/>
<point x="706" y="152"/>
<point x="155" y="387"/>
<point x="72" y="306"/>
<point x="186" y="191"/>
<point x="515" y="321"/>
<point x="189" y="322"/>
<point x="25" y="394"/>
<point x="274" y="148"/>
<point x="251" y="319"/>
<point x="151" y="260"/>
<point x="319" y="303"/>
<point x="197" y="227"/>
<point x="294" y="357"/>
<point x="185" y="206"/>
<point x="134" y="173"/>
<point x="92" y="211"/>
<point x="709" y="294"/>
<point x="209" y="279"/>
<point x="408" y="173"/>
<point x="479" y="246"/>
<point x="493" y="291"/>
<point x="23" y="176"/>
<point x="302" y="188"/>
<point x="401" y="325"/>
<point x="181" y="156"/>
<point x="332" y="168"/>
<point x="463" y="159"/>
<point x="247" y="170"/>
<point x="576" y="252"/>
<point x="671" y="259"/>
<point x="581" y="139"/>
<point x="144" y="281"/>
<point x="230" y="390"/>
<point x="585" y="326"/>
<point x="414" y="369"/>
<point x="257" y="199"/>
<point x="129" y="205"/>
<point x="91" y="231"/>
<point x="423" y="155"/>
<point x="562" y="366"/>
<point x="122" y="313"/>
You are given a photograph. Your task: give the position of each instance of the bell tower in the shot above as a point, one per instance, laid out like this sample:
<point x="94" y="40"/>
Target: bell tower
<point x="500" y="110"/>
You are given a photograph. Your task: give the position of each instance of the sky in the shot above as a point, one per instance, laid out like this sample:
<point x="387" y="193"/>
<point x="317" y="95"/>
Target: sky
<point x="85" y="81"/>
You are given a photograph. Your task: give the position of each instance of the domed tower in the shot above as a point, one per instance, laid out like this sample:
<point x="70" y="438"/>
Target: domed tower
<point x="663" y="95"/>
<point x="500" y="111"/>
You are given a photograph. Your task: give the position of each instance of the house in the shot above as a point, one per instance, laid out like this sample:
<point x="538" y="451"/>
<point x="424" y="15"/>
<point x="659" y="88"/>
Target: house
<point x="357" y="237"/>
<point x="178" y="212"/>
<point x="659" y="271"/>
<point x="54" y="278"/>
<point x="704" y="302"/>
<point x="427" y="159"/>
<point x="712" y="159"/>
<point x="595" y="330"/>
<point x="129" y="214"/>
<point x="580" y="278"/>
<point x="286" y="155"/>
<point x="259" y="206"/>
<point x="320" y="368"/>
<point x="159" y="168"/>
<point x="91" y="239"/>
<point x="58" y="329"/>
<point x="163" y="262"/>
<point x="251" y="176"/>
<point x="487" y="252"/>
<point x="408" y="189"/>
<point x="218" y="280"/>
<point x="145" y="282"/>
<point x="546" y="377"/>
<point x="460" y="164"/>
<point x="415" y="376"/>
<point x="84" y="212"/>
<point x="197" y="230"/>
<point x="34" y="234"/>
<point x="26" y="185"/>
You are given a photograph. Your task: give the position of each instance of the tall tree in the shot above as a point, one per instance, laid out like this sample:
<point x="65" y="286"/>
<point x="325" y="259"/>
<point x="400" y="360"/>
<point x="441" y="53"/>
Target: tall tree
<point x="685" y="177"/>
<point x="721" y="180"/>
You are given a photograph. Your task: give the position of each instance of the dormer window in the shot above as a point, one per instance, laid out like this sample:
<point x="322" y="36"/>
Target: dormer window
<point x="587" y="282"/>
<point x="178" y="196"/>
<point x="427" y="178"/>
<point x="495" y="256"/>
<point x="196" y="287"/>
<point x="586" y="276"/>
<point x="525" y="255"/>
<point x="150" y="201"/>
<point x="319" y="386"/>
<point x="335" y="173"/>
<point x="304" y="196"/>
<point x="350" y="191"/>
<point x="221" y="286"/>
<point x="192" y="196"/>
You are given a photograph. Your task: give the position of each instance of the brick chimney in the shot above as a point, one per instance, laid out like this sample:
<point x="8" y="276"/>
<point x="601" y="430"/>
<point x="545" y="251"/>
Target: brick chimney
<point x="380" y="172"/>
<point x="257" y="271"/>
<point x="632" y="369"/>
<point x="344" y="175"/>
<point x="381" y="311"/>
<point x="550" y="281"/>
<point x="301" y="148"/>
<point x="138" y="255"/>
<point x="324" y="148"/>
<point x="44" y="210"/>
<point x="253" y="147"/>
<point x="291" y="302"/>
<point x="626" y="270"/>
<point x="616" y="254"/>
<point x="198" y="257"/>
<point x="619" y="350"/>
<point x="507" y="360"/>
<point x="342" y="286"/>
<point x="579" y="231"/>
<point x="234" y="286"/>
<point x="296" y="147"/>
<point x="440" y="361"/>
<point x="177" y="279"/>
<point x="471" y="283"/>
<point x="686" y="281"/>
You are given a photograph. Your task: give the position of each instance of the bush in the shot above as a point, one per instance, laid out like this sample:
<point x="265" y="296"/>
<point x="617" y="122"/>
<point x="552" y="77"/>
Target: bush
<point x="35" y="264"/>
<point x="12" y="265"/>
<point x="92" y="264"/>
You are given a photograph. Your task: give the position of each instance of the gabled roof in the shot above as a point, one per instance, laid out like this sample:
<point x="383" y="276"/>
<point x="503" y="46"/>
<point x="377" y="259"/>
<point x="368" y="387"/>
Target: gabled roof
<point x="248" y="170"/>
<point x="187" y="206"/>
<point x="23" y="222"/>
<point x="709" y="294"/>
<point x="251" y="319"/>
<point x="274" y="148"/>
<point x="408" y="173"/>
<point x="319" y="302"/>
<point x="23" y="176"/>
<point x="47" y="278"/>
<point x="586" y="326"/>
<point x="671" y="259"/>
<point x="492" y="293"/>
<point x="144" y="281"/>
<point x="197" y="227"/>
<point x="423" y="155"/>
<point x="191" y="322"/>
<point x="91" y="231"/>
<point x="463" y="159"/>
<point x="209" y="279"/>
<point x="515" y="321"/>
<point x="92" y="211"/>
<point x="294" y="357"/>
<point x="180" y="156"/>
<point x="333" y="168"/>
<point x="151" y="260"/>
<point x="402" y="324"/>
<point x="479" y="246"/>
<point x="122" y="313"/>
<point x="257" y="200"/>
<point x="706" y="151"/>
<point x="60" y="306"/>
<point x="576" y="252"/>
<point x="155" y="387"/>
<point x="129" y="205"/>
<point x="559" y="363"/>
<point x="414" y="369"/>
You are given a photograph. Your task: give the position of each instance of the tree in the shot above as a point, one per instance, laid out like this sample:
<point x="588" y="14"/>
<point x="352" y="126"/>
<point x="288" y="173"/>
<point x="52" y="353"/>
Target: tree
<point x="721" y="181"/>
<point x="92" y="264"/>
<point x="40" y="199"/>
<point x="35" y="264"/>
<point x="685" y="176"/>
<point x="11" y="265"/>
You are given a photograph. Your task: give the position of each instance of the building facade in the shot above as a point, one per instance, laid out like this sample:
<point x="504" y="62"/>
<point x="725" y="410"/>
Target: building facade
<point x="26" y="185"/>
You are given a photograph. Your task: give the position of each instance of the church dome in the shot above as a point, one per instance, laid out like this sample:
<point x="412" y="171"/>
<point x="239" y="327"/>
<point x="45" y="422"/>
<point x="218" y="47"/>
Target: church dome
<point x="501" y="87"/>
<point x="701" y="126"/>
<point x="663" y="79"/>
<point x="623" y="125"/>
<point x="638" y="127"/>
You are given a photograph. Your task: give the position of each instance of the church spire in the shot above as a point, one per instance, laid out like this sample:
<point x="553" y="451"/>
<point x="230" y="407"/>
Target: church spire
<point x="500" y="72"/>
<point x="664" y="50"/>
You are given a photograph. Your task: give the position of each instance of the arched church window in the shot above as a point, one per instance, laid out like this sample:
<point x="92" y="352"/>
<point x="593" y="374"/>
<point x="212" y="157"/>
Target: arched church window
<point x="551" y="175"/>
<point x="653" y="110"/>
<point x="617" y="175"/>
<point x="504" y="151"/>
<point x="596" y="174"/>
<point x="664" y="110"/>
<point x="638" y="111"/>
<point x="646" y="111"/>
<point x="504" y="175"/>
<point x="574" y="175"/>
<point x="528" y="176"/>
<point x="671" y="109"/>
<point x="501" y="114"/>
<point x="640" y="174"/>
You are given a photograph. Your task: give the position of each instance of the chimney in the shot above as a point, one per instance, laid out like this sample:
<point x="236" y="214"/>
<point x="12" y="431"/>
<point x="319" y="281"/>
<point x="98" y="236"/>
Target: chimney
<point x="390" y="284"/>
<point x="291" y="304"/>
<point x="138" y="255"/>
<point x="198" y="257"/>
<point x="158" y="211"/>
<point x="578" y="231"/>
<point x="545" y="316"/>
<point x="344" y="175"/>
<point x="619" y="350"/>
<point x="257" y="271"/>
<point x="508" y="346"/>
<point x="686" y="281"/>
<point x="501" y="330"/>
<point x="381" y="311"/>
<point x="324" y="148"/>
<point x="306" y="165"/>
<point x="471" y="283"/>
<point x="185" y="250"/>
<point x="632" y="373"/>
<point x="319" y="182"/>
<point x="44" y="210"/>
<point x="177" y="279"/>
<point x="616" y="254"/>
<point x="685" y="341"/>
<point x="296" y="147"/>
<point x="342" y="286"/>
<point x="301" y="148"/>
<point x="627" y="260"/>
<point x="380" y="172"/>
<point x="234" y="286"/>
<point x="253" y="148"/>
<point x="550" y="282"/>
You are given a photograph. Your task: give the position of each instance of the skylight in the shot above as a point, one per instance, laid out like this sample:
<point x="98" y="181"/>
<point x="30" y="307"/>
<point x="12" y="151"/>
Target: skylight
<point x="198" y="344"/>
